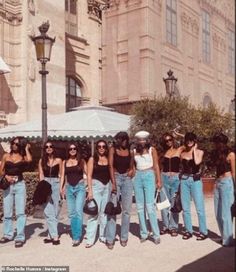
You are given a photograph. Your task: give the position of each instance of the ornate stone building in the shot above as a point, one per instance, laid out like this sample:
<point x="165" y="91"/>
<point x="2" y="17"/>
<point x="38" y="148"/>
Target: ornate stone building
<point x="74" y="69"/>
<point x="143" y="39"/>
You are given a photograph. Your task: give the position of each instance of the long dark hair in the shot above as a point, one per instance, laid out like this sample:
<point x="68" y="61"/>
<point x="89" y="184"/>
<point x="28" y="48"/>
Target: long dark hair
<point x="222" y="150"/>
<point x="96" y="155"/>
<point x="122" y="135"/>
<point x="45" y="155"/>
<point x="140" y="147"/>
<point x="21" y="148"/>
<point x="79" y="157"/>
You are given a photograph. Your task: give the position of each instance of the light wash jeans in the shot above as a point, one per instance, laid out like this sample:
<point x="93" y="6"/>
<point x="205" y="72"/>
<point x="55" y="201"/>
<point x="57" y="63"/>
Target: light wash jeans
<point x="125" y="189"/>
<point x="190" y="188"/>
<point x="75" y="197"/>
<point x="223" y="200"/>
<point x="171" y="185"/>
<point x="51" y="210"/>
<point x="144" y="189"/>
<point x="16" y="193"/>
<point x="101" y="194"/>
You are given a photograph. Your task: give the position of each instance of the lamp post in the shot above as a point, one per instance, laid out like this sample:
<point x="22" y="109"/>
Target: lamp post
<point x="43" y="45"/>
<point x="170" y="82"/>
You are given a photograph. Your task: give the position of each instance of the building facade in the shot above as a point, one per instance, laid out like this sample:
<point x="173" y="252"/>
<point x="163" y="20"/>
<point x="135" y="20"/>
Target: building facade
<point x="74" y="69"/>
<point x="143" y="39"/>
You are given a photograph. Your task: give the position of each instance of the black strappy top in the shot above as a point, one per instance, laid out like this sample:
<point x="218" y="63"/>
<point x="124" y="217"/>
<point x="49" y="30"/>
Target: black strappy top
<point x="101" y="173"/>
<point x="171" y="164"/>
<point x="222" y="168"/>
<point x="15" y="168"/>
<point x="74" y="174"/>
<point x="53" y="173"/>
<point x="189" y="167"/>
<point x="121" y="163"/>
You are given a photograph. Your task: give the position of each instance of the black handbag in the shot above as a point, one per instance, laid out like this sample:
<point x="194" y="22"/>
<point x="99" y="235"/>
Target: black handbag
<point x="42" y="192"/>
<point x="4" y="183"/>
<point x="177" y="207"/>
<point x="90" y="207"/>
<point x="113" y="207"/>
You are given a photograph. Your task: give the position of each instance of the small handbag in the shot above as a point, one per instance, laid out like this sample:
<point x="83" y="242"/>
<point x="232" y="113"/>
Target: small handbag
<point x="177" y="207"/>
<point x="162" y="204"/>
<point x="4" y="183"/>
<point x="42" y="192"/>
<point x="91" y="207"/>
<point x="113" y="206"/>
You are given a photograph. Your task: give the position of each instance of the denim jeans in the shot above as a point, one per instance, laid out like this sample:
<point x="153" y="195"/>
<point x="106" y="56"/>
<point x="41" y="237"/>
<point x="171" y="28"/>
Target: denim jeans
<point x="191" y="188"/>
<point x="75" y="197"/>
<point x="125" y="189"/>
<point x="144" y="189"/>
<point x="51" y="210"/>
<point x="223" y="200"/>
<point x="171" y="185"/>
<point x="15" y="193"/>
<point x="101" y="195"/>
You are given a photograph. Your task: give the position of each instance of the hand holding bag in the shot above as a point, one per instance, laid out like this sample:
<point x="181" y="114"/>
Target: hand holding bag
<point x="177" y="207"/>
<point x="4" y="183"/>
<point x="90" y="207"/>
<point x="162" y="204"/>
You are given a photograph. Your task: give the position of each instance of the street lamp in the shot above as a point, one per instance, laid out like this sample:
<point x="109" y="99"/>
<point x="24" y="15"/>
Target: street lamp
<point x="170" y="82"/>
<point x="43" y="45"/>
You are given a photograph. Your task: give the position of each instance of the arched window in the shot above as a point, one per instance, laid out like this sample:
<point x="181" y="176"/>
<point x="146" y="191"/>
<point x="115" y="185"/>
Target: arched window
<point x="206" y="101"/>
<point x="73" y="93"/>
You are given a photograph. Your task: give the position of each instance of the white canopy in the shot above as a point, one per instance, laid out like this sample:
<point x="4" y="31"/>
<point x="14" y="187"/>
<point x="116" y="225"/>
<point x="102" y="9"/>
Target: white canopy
<point x="84" y="122"/>
<point x="3" y="67"/>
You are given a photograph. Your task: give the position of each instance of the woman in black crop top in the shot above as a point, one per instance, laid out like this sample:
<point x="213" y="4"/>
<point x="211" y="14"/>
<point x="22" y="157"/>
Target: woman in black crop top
<point x="191" y="186"/>
<point x="74" y="169"/>
<point x="13" y="165"/>
<point x="98" y="178"/>
<point x="224" y="161"/>
<point x="170" y="177"/>
<point x="50" y="169"/>
<point x="121" y="170"/>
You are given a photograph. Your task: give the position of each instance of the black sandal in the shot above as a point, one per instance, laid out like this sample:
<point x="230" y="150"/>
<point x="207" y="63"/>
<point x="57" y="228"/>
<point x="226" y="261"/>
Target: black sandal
<point x="164" y="231"/>
<point x="19" y="243"/>
<point x="4" y="240"/>
<point x="187" y="235"/>
<point x="173" y="233"/>
<point x="201" y="237"/>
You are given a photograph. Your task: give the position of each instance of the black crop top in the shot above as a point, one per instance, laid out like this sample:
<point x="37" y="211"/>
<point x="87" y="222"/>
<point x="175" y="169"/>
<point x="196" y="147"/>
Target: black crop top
<point x="121" y="163"/>
<point x="171" y="164"/>
<point x="222" y="168"/>
<point x="189" y="167"/>
<point x="15" y="169"/>
<point x="53" y="173"/>
<point x="73" y="174"/>
<point x="101" y="173"/>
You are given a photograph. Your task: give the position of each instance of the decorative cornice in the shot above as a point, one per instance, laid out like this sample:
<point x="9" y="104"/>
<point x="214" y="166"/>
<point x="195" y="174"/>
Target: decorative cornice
<point x="12" y="11"/>
<point x="189" y="23"/>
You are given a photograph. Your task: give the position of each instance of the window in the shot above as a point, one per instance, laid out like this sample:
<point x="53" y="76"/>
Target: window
<point x="206" y="36"/>
<point x="71" y="16"/>
<point x="206" y="101"/>
<point x="171" y="22"/>
<point x="73" y="93"/>
<point x="231" y="52"/>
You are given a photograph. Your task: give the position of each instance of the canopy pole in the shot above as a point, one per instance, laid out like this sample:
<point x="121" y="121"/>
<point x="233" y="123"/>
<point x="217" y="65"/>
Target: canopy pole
<point x="92" y="147"/>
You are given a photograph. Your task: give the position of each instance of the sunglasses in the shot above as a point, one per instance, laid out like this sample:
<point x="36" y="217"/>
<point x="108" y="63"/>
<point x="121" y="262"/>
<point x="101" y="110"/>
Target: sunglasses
<point x="72" y="148"/>
<point x="48" y="146"/>
<point x="15" y="143"/>
<point x="168" y="140"/>
<point x="101" y="146"/>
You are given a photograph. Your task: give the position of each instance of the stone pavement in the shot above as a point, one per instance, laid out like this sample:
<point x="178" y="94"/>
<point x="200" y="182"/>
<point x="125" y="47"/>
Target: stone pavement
<point x="173" y="254"/>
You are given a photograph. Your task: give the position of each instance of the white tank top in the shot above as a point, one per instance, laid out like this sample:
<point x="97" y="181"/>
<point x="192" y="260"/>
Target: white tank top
<point x="144" y="161"/>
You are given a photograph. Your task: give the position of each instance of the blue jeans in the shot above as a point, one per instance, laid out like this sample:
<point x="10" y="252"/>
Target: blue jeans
<point x="171" y="185"/>
<point x="223" y="200"/>
<point x="75" y="197"/>
<point x="101" y="195"/>
<point x="15" y="193"/>
<point x="51" y="210"/>
<point x="144" y="189"/>
<point x="125" y="189"/>
<point x="191" y="188"/>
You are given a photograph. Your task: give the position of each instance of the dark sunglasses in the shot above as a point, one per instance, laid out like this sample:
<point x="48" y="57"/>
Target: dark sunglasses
<point x="168" y="140"/>
<point x="15" y="143"/>
<point x="72" y="148"/>
<point x="48" y="146"/>
<point x="101" y="146"/>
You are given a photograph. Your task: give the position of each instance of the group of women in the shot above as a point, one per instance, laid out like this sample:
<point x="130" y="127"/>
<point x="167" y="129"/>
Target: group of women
<point x="120" y="170"/>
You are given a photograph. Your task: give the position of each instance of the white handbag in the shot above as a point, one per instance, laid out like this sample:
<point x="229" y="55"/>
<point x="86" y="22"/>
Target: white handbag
<point x="162" y="204"/>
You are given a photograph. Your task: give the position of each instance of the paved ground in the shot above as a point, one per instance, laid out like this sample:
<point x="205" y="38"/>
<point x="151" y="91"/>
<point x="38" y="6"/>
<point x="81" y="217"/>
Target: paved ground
<point x="173" y="254"/>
